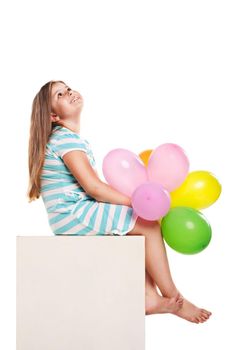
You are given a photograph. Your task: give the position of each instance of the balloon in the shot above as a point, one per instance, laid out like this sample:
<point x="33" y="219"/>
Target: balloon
<point x="168" y="165"/>
<point x="186" y="230"/>
<point x="124" y="170"/>
<point x="144" y="155"/>
<point x="199" y="190"/>
<point x="150" y="201"/>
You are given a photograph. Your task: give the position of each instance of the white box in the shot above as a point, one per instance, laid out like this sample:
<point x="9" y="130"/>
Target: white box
<point x="80" y="293"/>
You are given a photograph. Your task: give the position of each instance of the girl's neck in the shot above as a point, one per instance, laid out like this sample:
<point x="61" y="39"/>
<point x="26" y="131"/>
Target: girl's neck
<point x="73" y="126"/>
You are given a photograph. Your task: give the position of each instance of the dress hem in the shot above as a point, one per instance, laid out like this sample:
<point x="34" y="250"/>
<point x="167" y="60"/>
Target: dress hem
<point x="123" y="233"/>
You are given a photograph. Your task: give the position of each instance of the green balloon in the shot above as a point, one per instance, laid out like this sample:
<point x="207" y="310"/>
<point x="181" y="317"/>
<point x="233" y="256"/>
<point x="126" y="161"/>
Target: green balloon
<point x="186" y="230"/>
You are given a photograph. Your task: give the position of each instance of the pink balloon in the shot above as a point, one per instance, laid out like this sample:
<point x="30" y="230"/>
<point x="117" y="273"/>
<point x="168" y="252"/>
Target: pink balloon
<point x="151" y="201"/>
<point x="124" y="170"/>
<point x="168" y="165"/>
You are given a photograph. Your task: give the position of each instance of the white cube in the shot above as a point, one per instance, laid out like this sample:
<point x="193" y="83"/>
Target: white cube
<point x="80" y="293"/>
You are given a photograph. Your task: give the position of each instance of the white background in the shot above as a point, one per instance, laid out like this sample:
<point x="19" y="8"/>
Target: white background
<point x="150" y="72"/>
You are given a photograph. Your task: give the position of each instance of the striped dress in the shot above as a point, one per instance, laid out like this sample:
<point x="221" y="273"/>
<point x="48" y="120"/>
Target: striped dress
<point x="71" y="211"/>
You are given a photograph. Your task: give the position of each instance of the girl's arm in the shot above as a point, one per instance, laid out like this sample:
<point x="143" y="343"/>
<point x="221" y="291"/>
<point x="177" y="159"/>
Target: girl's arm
<point x="78" y="164"/>
<point x="106" y="193"/>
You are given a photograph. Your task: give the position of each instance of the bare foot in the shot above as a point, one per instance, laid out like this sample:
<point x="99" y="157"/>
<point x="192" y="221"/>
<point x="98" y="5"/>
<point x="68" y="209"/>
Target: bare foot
<point x="192" y="313"/>
<point x="157" y="304"/>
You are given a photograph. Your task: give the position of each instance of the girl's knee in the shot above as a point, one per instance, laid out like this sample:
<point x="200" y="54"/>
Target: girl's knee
<point x="143" y="227"/>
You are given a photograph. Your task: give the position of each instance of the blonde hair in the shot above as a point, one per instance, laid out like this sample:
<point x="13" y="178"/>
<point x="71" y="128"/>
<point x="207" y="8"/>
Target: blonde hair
<point x="41" y="128"/>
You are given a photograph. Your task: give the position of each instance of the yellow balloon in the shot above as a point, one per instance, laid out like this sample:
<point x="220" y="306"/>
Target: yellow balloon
<point x="199" y="190"/>
<point x="144" y="155"/>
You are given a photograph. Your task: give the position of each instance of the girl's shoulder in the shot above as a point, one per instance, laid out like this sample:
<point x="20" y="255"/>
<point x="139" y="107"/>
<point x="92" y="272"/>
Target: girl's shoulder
<point x="61" y="133"/>
<point x="63" y="140"/>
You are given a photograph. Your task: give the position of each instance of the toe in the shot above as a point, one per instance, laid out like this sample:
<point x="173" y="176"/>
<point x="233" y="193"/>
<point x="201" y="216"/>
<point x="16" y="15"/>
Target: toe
<point x="206" y="311"/>
<point x="199" y="319"/>
<point x="204" y="314"/>
<point x="203" y="317"/>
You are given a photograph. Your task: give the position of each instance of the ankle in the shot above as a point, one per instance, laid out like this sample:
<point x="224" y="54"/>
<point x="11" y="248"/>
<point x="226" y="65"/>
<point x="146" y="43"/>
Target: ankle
<point x="151" y="293"/>
<point x="171" y="293"/>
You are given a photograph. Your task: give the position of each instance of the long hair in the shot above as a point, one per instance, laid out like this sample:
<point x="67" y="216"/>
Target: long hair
<point x="41" y="128"/>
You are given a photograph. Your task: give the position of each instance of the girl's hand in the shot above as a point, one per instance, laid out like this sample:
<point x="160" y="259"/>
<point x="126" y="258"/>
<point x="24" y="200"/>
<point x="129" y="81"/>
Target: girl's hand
<point x="129" y="202"/>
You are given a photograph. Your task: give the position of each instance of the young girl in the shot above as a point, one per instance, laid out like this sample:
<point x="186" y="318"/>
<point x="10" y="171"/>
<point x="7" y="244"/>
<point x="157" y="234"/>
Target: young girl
<point x="62" y="170"/>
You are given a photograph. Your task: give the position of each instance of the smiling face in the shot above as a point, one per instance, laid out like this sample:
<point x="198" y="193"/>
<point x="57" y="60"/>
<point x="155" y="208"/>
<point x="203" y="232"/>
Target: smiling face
<point x="65" y="102"/>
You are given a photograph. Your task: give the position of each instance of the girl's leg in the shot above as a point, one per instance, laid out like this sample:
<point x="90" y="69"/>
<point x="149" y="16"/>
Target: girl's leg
<point x="155" y="303"/>
<point x="150" y="286"/>
<point x="156" y="261"/>
<point x="158" y="268"/>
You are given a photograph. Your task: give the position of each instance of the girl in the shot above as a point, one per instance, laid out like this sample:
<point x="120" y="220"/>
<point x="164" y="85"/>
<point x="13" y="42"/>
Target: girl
<point x="62" y="170"/>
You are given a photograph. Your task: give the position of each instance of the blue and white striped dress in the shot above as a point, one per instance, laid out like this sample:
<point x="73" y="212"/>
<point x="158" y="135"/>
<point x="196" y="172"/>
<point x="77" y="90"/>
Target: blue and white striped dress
<point x="71" y="211"/>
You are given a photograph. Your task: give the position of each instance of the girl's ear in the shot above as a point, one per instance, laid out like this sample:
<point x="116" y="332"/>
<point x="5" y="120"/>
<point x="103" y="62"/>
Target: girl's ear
<point x="54" y="117"/>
